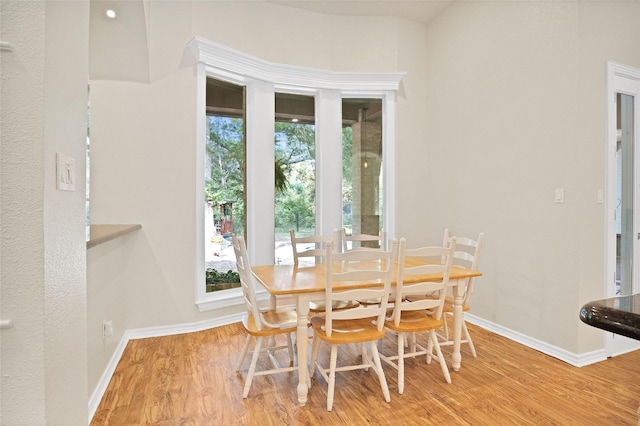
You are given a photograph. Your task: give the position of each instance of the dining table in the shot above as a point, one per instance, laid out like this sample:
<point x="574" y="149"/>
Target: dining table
<point x="307" y="283"/>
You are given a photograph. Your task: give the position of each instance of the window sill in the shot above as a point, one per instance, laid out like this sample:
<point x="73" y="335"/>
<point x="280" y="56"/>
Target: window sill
<point x="227" y="298"/>
<point x="99" y="234"/>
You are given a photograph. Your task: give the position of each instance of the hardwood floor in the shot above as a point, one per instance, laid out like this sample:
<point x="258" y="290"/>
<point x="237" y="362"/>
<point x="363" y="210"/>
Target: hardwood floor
<point x="190" y="379"/>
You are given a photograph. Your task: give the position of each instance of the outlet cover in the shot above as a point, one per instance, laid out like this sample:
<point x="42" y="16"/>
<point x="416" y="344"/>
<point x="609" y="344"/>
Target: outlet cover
<point x="107" y="329"/>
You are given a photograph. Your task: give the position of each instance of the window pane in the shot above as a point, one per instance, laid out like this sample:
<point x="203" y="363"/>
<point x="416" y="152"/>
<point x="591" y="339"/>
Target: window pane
<point x="625" y="193"/>
<point x="362" y="203"/>
<point x="224" y="181"/>
<point x="295" y="163"/>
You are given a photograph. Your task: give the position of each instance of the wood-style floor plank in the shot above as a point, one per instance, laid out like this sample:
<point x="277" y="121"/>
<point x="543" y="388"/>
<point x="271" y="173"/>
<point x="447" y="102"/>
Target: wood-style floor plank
<point x="190" y="379"/>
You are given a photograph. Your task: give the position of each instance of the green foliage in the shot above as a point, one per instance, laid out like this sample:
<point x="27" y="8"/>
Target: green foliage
<point x="282" y="182"/>
<point x="225" y="150"/>
<point x="347" y="155"/>
<point x="216" y="280"/>
<point x="294" y="168"/>
<point x="297" y="209"/>
<point x="295" y="153"/>
<point x="295" y="142"/>
<point x="215" y="277"/>
<point x="347" y="175"/>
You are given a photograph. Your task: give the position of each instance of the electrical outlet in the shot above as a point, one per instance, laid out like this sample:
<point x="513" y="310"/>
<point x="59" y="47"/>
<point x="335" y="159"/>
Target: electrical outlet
<point x="107" y="328"/>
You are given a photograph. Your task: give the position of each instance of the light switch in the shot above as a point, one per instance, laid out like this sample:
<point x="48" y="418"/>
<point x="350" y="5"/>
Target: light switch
<point x="559" y="195"/>
<point x="66" y="173"/>
<point x="600" y="196"/>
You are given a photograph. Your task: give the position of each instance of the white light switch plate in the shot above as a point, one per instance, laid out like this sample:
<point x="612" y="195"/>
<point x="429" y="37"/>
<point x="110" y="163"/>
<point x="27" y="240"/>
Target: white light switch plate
<point x="559" y="198"/>
<point x="65" y="173"/>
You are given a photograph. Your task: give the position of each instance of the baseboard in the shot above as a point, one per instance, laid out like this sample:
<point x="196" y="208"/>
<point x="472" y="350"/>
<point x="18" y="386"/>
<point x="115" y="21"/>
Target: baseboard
<point x="141" y="333"/>
<point x="577" y="360"/>
<point x="101" y="387"/>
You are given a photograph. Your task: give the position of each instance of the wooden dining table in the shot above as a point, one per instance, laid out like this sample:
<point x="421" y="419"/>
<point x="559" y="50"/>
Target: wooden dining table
<point x="307" y="283"/>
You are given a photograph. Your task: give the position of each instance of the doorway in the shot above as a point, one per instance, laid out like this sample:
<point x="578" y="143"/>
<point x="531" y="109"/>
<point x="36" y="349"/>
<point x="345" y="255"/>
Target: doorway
<point x="624" y="181"/>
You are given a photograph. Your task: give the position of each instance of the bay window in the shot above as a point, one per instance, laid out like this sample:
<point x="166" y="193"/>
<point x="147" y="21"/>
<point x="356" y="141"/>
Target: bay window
<point x="345" y="139"/>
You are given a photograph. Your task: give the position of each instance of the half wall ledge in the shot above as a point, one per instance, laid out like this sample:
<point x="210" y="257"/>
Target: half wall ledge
<point x="99" y="234"/>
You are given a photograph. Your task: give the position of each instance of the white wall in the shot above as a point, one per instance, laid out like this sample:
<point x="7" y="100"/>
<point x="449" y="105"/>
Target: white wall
<point x="516" y="108"/>
<point x="43" y="356"/>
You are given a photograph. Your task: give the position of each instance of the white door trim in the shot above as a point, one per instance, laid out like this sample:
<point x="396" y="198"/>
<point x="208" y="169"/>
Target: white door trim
<point x="620" y="78"/>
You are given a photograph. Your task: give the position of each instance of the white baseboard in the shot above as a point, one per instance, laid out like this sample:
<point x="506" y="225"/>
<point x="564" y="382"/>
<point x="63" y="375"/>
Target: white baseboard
<point x="101" y="387"/>
<point x="577" y="360"/>
<point x="141" y="333"/>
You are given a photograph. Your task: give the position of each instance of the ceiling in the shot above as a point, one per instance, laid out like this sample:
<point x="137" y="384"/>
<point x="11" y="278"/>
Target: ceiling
<point x="417" y="10"/>
<point x="122" y="42"/>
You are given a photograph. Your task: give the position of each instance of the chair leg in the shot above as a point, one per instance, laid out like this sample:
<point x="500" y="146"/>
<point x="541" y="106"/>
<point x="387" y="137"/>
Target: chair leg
<point x="271" y="342"/>
<point x="243" y="354"/>
<point x="364" y="355"/>
<point x="401" y="342"/>
<point x="443" y="364"/>
<point x="430" y="349"/>
<point x="380" y="371"/>
<point x="252" y="367"/>
<point x="290" y="348"/>
<point x="469" y="341"/>
<point x="446" y="327"/>
<point x="314" y="355"/>
<point x="332" y="376"/>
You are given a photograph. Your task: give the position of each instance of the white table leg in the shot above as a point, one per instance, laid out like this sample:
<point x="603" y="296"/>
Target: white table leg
<point x="458" y="294"/>
<point x="304" y="381"/>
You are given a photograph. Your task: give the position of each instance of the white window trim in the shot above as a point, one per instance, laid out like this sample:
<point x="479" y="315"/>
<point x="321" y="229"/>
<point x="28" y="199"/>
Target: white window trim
<point x="263" y="79"/>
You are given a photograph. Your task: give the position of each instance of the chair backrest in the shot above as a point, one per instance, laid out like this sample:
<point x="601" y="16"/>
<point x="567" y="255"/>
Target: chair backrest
<point x="313" y="246"/>
<point x="466" y="256"/>
<point x="432" y="260"/>
<point x="246" y="279"/>
<point x="355" y="269"/>
<point x="364" y="241"/>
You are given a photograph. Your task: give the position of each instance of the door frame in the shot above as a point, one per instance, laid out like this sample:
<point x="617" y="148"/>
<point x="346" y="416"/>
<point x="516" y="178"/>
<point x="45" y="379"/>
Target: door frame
<point x="620" y="78"/>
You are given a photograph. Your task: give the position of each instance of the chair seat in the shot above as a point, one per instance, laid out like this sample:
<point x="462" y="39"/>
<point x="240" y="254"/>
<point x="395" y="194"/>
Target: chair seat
<point x="319" y="306"/>
<point x="412" y="321"/>
<point x="448" y="302"/>
<point x="249" y="324"/>
<point x="347" y="331"/>
<point x="448" y="305"/>
<point x="369" y="302"/>
<point x="392" y="297"/>
<point x="281" y="318"/>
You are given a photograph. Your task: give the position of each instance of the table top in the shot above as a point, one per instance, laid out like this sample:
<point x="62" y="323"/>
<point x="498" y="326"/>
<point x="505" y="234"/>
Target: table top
<point x="291" y="279"/>
<point x="620" y="315"/>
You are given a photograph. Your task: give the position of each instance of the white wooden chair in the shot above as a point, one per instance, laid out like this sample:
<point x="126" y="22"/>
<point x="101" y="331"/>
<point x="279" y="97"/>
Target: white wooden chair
<point x="314" y="247"/>
<point x="362" y="324"/>
<point x="412" y="316"/>
<point x="311" y="247"/>
<point x="364" y="241"/>
<point x="466" y="256"/>
<point x="261" y="323"/>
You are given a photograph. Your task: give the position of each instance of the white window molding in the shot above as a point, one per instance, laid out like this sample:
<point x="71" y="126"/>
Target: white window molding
<point x="224" y="61"/>
<point x="262" y="79"/>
